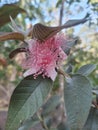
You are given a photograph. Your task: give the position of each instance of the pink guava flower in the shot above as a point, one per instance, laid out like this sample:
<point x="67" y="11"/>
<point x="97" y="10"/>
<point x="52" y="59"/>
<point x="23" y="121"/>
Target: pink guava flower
<point x="44" y="57"/>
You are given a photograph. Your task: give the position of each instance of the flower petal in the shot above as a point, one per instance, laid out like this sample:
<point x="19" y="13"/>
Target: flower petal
<point x="30" y="72"/>
<point x="52" y="73"/>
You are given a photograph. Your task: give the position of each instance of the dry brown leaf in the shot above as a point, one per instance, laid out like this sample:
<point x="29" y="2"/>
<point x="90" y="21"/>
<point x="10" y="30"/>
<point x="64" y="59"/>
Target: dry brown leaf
<point x="16" y="51"/>
<point x="42" y="32"/>
<point x="3" y="62"/>
<point x="9" y="10"/>
<point x="11" y="36"/>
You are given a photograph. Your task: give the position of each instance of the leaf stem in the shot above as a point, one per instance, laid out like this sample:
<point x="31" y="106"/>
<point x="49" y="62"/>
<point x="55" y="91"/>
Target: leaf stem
<point x="60" y="71"/>
<point x="42" y="121"/>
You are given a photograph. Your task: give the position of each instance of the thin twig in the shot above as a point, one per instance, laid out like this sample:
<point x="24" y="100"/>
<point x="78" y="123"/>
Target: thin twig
<point x="42" y="121"/>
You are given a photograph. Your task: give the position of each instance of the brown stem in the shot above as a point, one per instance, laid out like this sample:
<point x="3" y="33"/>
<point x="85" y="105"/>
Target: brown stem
<point x="42" y="122"/>
<point x="61" y="12"/>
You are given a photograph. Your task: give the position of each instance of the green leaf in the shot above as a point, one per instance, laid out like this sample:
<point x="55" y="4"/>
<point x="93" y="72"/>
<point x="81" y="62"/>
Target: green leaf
<point x="74" y="22"/>
<point x="28" y="96"/>
<point x="95" y="91"/>
<point x="58" y="3"/>
<point x="50" y="105"/>
<point x="29" y="123"/>
<point x="70" y="44"/>
<point x="86" y="69"/>
<point x="69" y="68"/>
<point x="78" y="98"/>
<point x="9" y="10"/>
<point x="92" y="121"/>
<point x="47" y="108"/>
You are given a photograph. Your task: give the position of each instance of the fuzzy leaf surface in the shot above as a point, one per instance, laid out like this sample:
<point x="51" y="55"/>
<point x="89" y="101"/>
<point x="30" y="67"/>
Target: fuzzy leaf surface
<point x="78" y="98"/>
<point x="86" y="69"/>
<point x="26" y="99"/>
